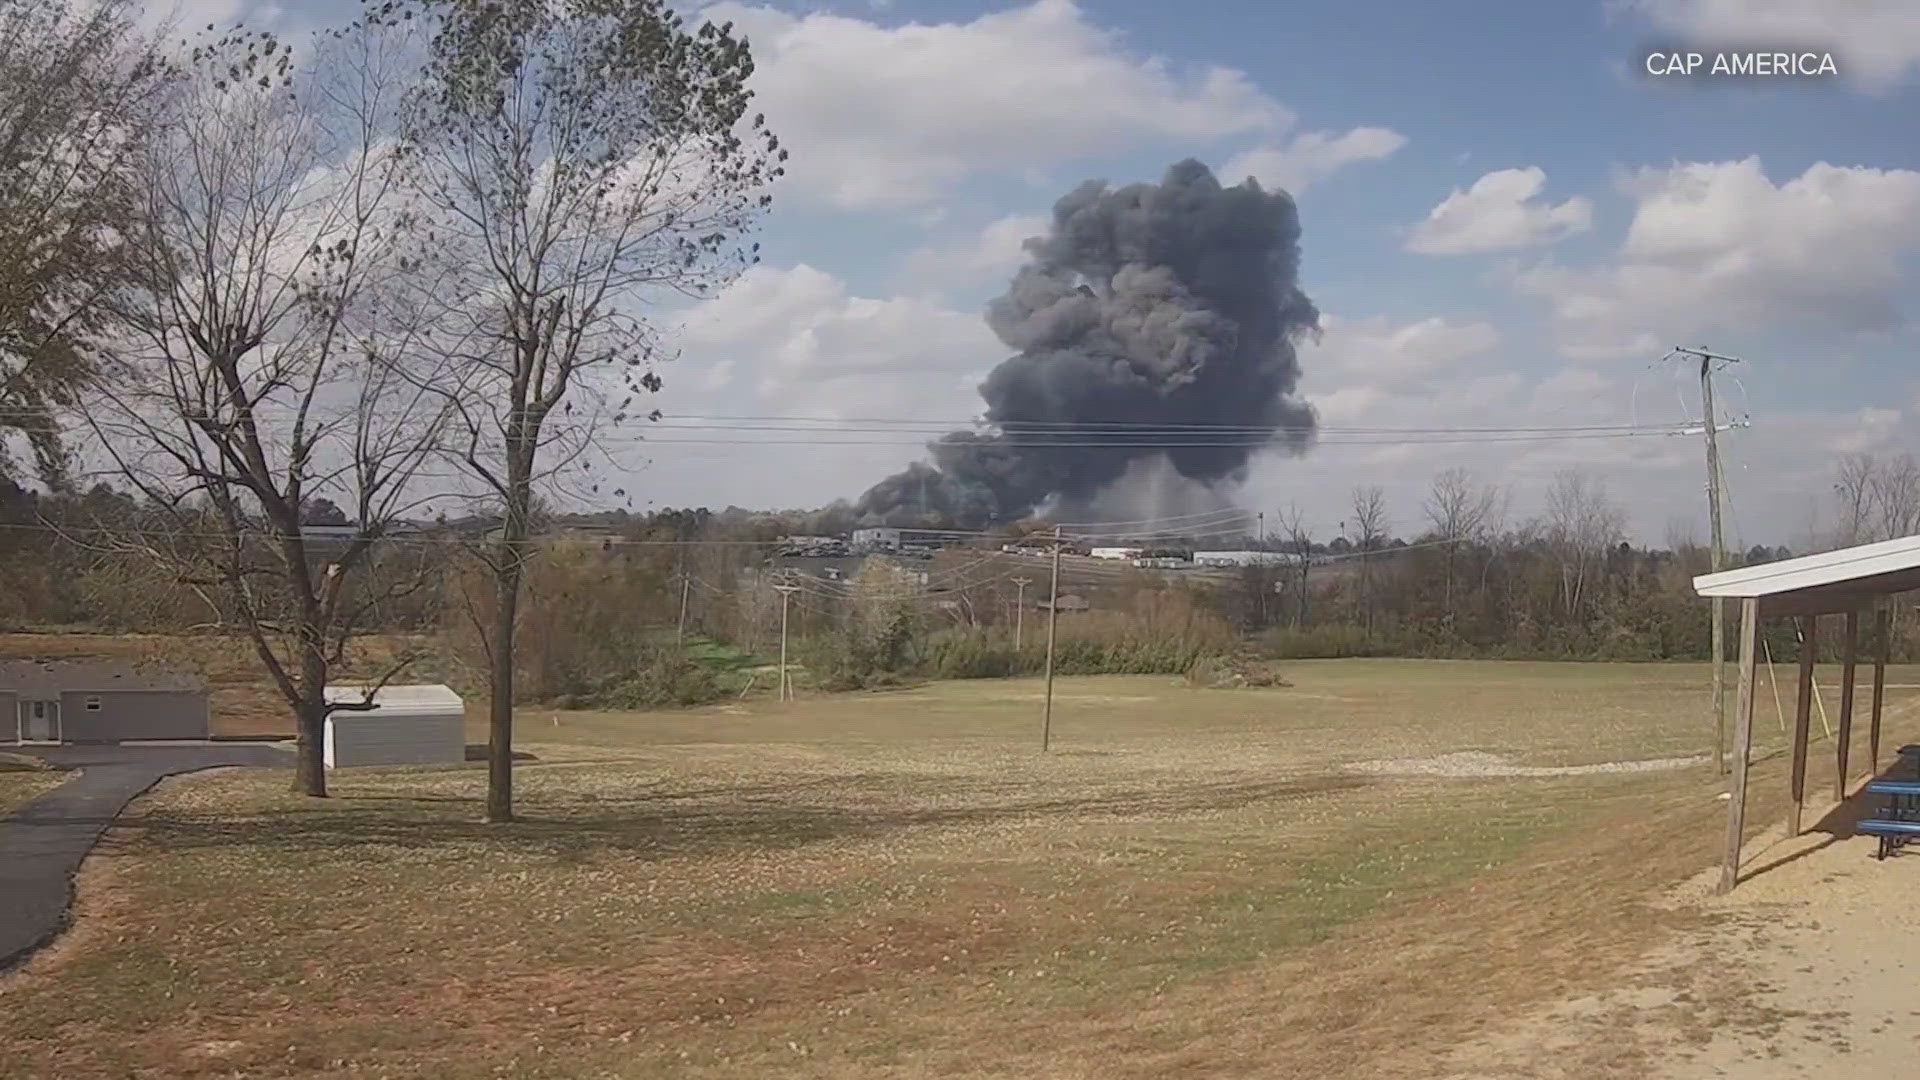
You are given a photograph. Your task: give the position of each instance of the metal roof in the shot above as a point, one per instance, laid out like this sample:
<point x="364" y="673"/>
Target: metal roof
<point x="1831" y="581"/>
<point x="57" y="676"/>
<point x="412" y="694"/>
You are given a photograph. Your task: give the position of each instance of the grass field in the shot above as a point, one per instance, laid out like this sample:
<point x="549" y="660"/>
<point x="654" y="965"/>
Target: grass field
<point x="1193" y="883"/>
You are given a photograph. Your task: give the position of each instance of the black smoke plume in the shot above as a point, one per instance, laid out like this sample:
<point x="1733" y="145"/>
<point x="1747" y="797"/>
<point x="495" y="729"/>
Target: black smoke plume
<point x="1145" y="309"/>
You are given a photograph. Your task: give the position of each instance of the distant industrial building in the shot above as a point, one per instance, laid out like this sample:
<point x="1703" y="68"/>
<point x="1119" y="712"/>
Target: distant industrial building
<point x="810" y="541"/>
<point x="1245" y="558"/>
<point x="889" y="539"/>
<point x="1117" y="552"/>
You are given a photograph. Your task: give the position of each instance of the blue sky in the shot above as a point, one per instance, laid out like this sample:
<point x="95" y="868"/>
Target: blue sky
<point x="1504" y="222"/>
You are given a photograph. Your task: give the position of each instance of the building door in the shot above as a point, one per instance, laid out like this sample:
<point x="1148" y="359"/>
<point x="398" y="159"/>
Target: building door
<point x="40" y="721"/>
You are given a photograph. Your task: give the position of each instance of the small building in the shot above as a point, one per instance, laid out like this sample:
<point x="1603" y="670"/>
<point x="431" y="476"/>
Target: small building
<point x="1116" y="552"/>
<point x="407" y="725"/>
<point x="99" y="701"/>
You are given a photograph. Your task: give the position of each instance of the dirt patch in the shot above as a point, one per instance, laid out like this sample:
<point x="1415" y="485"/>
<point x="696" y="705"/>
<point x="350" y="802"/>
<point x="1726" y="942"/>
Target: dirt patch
<point x="1477" y="763"/>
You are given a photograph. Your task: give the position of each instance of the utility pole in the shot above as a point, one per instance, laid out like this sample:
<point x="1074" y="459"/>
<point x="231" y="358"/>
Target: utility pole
<point x="786" y="589"/>
<point x="1053" y="619"/>
<point x="1260" y="542"/>
<point x="1020" y="611"/>
<point x="686" y="584"/>
<point x="1710" y="423"/>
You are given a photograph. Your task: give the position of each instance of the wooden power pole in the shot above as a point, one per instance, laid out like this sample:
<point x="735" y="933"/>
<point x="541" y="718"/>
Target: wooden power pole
<point x="686" y="584"/>
<point x="1020" y="610"/>
<point x="1718" y="554"/>
<point x="786" y="590"/>
<point x="1053" y="619"/>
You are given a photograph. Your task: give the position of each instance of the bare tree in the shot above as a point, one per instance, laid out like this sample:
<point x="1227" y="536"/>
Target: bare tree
<point x="1683" y="535"/>
<point x="1856" y="484"/>
<point x="75" y="85"/>
<point x="1370" y="525"/>
<point x="1583" y="522"/>
<point x="267" y="374"/>
<point x="1896" y="498"/>
<point x="1299" y="534"/>
<point x="1460" y="509"/>
<point x="577" y="156"/>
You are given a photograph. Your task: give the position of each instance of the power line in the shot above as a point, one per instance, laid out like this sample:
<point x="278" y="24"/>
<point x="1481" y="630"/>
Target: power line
<point x="1156" y="520"/>
<point x="715" y="422"/>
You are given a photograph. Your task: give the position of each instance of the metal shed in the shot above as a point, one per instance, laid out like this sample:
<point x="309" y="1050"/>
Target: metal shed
<point x="1850" y="583"/>
<point x="99" y="701"/>
<point x="408" y="725"/>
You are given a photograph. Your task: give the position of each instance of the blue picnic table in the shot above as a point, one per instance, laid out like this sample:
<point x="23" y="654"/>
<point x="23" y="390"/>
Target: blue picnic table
<point x="1899" y="820"/>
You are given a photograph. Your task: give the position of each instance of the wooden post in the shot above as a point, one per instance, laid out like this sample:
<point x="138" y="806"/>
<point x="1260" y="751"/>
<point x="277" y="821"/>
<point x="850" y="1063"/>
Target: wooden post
<point x="1848" y="648"/>
<point x="1742" y="742"/>
<point x="1803" y="717"/>
<point x="786" y="589"/>
<point x="686" y="586"/>
<point x="1883" y="649"/>
<point x="1053" y="620"/>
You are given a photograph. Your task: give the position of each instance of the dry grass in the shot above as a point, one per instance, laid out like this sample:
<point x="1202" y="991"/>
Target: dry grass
<point x="899" y="885"/>
<point x="20" y="787"/>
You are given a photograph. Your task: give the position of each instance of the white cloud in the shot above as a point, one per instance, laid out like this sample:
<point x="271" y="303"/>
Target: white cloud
<point x="1375" y="349"/>
<point x="1719" y="246"/>
<point x="1448" y="372"/>
<point x="890" y="117"/>
<point x="800" y="344"/>
<point x="1311" y="157"/>
<point x="991" y="255"/>
<point x="1876" y="43"/>
<point x="1500" y="212"/>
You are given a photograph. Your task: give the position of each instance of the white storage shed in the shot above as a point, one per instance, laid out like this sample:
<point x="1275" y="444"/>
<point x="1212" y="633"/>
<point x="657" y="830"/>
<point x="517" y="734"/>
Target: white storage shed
<point x="409" y="725"/>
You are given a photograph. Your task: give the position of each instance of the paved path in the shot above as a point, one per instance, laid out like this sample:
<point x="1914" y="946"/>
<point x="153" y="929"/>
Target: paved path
<point x="42" y="845"/>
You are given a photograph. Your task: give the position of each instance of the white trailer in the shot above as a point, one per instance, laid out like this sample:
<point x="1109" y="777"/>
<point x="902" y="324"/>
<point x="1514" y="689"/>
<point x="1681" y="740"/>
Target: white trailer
<point x="408" y="725"/>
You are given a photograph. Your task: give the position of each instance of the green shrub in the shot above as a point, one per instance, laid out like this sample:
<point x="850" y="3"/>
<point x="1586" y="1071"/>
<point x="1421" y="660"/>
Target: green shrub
<point x="662" y="679"/>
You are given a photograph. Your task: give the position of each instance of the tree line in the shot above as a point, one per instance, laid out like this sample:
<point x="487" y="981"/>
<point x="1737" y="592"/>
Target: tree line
<point x="627" y="610"/>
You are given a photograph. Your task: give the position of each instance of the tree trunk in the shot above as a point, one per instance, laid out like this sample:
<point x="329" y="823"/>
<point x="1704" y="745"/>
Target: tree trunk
<point x="507" y="574"/>
<point x="500" y="688"/>
<point x="310" y="719"/>
<point x="1302" y="616"/>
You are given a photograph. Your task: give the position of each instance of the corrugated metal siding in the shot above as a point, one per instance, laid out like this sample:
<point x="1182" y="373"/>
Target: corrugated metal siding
<point x="373" y="739"/>
<point x="133" y="714"/>
<point x="9" y="716"/>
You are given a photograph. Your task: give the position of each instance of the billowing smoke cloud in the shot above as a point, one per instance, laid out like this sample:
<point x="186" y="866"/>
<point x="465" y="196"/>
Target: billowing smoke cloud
<point x="1146" y="310"/>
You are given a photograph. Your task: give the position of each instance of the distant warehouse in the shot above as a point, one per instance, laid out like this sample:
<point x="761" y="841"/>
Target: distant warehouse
<point x="889" y="539"/>
<point x="1245" y="558"/>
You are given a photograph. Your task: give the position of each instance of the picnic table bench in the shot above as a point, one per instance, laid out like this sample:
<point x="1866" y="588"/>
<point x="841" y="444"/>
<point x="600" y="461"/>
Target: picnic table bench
<point x="1900" y="820"/>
